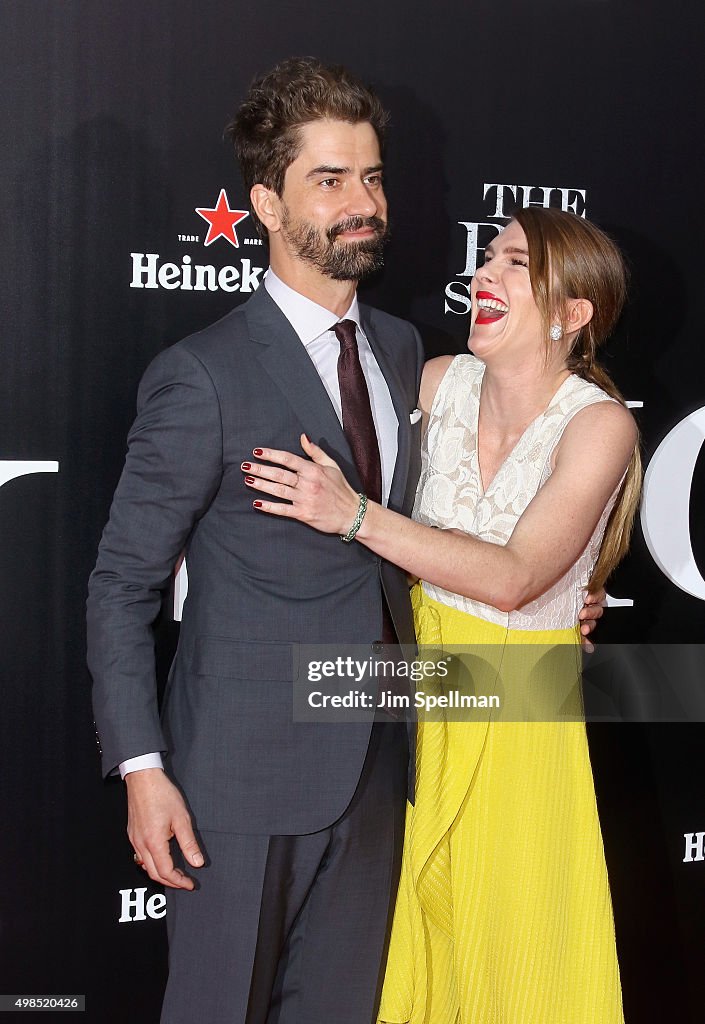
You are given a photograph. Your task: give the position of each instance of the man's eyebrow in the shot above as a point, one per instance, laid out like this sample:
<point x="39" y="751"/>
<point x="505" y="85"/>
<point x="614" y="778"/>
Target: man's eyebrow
<point x="327" y="169"/>
<point x="330" y="169"/>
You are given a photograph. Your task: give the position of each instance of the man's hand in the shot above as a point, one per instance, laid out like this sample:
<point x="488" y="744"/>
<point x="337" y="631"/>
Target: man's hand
<point x="155" y="812"/>
<point x="590" y="613"/>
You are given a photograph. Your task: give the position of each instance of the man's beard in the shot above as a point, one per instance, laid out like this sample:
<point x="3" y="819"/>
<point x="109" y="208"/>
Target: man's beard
<point x="342" y="261"/>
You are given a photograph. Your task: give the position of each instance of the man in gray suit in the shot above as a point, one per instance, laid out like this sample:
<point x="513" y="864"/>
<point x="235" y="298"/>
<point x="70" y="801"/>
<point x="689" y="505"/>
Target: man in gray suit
<point x="295" y="828"/>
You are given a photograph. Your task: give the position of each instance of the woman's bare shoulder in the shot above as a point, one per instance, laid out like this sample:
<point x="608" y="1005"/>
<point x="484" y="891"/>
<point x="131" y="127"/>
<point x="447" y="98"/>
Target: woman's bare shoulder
<point x="433" y="373"/>
<point x="605" y="430"/>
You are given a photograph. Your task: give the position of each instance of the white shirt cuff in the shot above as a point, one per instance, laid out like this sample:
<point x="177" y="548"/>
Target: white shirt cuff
<point x="136" y="764"/>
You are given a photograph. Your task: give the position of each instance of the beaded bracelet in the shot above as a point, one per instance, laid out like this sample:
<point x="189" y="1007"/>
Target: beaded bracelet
<point x="350" y="535"/>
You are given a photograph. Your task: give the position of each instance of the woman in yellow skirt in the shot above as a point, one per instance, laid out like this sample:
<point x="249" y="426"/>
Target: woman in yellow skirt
<point x="530" y="479"/>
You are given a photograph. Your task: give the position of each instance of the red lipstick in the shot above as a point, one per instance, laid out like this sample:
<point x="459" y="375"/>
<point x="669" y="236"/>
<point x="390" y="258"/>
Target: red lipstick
<point x="489" y="316"/>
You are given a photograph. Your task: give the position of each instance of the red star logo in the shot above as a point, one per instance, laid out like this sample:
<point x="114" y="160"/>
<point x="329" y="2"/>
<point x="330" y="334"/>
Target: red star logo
<point x="222" y="220"/>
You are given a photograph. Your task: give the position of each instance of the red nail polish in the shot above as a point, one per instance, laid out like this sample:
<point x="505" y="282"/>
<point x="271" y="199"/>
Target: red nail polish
<point x="249" y="479"/>
<point x="257" y="452"/>
<point x="257" y="504"/>
<point x="245" y="465"/>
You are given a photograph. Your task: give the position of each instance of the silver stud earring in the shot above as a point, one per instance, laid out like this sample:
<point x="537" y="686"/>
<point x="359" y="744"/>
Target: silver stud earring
<point x="556" y="332"/>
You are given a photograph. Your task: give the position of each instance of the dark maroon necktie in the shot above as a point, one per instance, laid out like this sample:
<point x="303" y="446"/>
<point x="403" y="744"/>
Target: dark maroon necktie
<point x="359" y="429"/>
<point x="358" y="424"/>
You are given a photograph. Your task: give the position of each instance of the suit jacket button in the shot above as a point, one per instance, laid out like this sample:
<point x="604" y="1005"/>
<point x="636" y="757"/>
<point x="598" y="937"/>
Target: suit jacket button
<point x="377" y="646"/>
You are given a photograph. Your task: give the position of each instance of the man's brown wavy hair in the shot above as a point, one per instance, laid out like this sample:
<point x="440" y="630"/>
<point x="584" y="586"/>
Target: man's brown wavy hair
<point x="266" y="129"/>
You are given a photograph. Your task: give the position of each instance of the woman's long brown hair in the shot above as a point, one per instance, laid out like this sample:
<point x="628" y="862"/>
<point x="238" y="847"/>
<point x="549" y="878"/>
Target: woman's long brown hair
<point x="570" y="258"/>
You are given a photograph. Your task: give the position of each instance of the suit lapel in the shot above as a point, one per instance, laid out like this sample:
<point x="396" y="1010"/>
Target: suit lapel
<point x="284" y="358"/>
<point x="387" y="364"/>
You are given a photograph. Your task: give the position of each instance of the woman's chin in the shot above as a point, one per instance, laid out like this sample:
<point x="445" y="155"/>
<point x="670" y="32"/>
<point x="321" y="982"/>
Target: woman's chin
<point x="482" y="341"/>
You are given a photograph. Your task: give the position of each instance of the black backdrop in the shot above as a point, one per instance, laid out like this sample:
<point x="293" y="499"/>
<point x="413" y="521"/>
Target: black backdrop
<point x="112" y="116"/>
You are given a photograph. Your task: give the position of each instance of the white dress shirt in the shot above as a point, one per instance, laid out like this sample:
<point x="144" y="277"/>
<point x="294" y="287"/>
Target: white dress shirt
<point x="314" y="326"/>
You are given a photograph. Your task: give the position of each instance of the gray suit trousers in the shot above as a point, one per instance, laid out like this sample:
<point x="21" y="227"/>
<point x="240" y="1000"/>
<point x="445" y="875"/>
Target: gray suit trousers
<point x="311" y="949"/>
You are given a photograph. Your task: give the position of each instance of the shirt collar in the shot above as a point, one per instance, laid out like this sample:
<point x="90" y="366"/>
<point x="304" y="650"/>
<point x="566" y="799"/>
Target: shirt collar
<point x="308" y="319"/>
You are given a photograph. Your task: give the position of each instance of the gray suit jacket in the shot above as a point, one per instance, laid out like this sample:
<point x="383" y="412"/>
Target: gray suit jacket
<point x="257" y="584"/>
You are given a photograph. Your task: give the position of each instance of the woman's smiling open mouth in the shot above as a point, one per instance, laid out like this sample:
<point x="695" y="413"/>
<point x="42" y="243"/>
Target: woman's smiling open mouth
<point x="489" y="308"/>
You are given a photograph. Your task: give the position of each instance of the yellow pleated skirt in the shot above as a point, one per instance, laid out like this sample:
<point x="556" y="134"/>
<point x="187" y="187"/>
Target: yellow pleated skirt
<point x="503" y="914"/>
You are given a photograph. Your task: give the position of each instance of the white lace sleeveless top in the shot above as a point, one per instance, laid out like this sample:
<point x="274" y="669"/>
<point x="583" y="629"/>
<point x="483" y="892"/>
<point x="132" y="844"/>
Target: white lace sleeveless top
<point x="450" y="492"/>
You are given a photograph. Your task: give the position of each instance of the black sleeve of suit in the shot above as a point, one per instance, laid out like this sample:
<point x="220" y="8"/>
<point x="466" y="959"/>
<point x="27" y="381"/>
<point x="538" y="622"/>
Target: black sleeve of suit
<point x="172" y="472"/>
